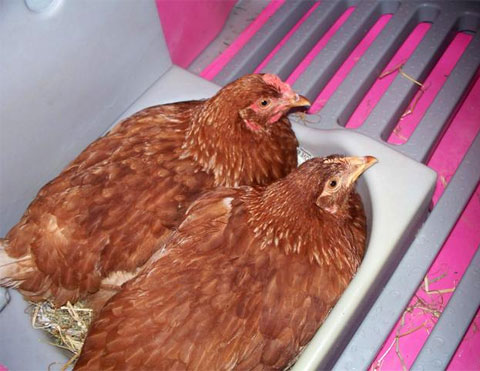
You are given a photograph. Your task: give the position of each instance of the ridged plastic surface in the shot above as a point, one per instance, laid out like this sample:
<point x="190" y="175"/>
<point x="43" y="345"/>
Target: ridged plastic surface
<point x="446" y="18"/>
<point x="453" y="323"/>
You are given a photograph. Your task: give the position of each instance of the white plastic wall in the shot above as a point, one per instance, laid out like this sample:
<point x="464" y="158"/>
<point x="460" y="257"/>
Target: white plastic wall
<point x="66" y="74"/>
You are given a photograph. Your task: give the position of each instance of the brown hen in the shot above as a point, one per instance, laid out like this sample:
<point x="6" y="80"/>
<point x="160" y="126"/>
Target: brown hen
<point x="98" y="221"/>
<point x="246" y="280"/>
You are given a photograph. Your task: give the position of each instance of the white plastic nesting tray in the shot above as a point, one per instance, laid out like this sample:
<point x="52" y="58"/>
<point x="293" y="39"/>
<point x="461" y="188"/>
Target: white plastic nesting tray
<point x="396" y="191"/>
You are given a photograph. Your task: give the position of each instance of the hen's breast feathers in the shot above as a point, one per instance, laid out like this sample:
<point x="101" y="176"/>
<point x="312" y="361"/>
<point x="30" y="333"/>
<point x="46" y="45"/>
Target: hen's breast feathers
<point x="120" y="197"/>
<point x="235" y="156"/>
<point x="214" y="299"/>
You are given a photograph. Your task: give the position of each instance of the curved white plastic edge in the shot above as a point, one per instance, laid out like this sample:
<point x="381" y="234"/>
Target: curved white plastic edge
<point x="396" y="192"/>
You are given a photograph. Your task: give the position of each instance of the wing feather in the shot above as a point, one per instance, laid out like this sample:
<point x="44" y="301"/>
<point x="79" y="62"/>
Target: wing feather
<point x="111" y="208"/>
<point x="212" y="299"/>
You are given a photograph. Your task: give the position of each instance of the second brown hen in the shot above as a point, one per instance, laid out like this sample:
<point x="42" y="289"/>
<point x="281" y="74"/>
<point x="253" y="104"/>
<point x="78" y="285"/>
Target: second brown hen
<point x="99" y="220"/>
<point x="246" y="280"/>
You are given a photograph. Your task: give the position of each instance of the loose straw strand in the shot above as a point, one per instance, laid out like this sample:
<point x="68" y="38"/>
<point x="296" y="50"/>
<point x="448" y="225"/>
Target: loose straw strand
<point x="398" y="68"/>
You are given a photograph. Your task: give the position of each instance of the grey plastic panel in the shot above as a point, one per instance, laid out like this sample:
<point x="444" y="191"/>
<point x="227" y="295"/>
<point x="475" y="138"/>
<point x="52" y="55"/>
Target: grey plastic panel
<point x="240" y="18"/>
<point x="386" y="113"/>
<point x="345" y="99"/>
<point x="55" y="108"/>
<point x="383" y="315"/>
<point x="304" y="39"/>
<point x="453" y="324"/>
<point x="433" y="124"/>
<point x="330" y="58"/>
<point x="264" y="41"/>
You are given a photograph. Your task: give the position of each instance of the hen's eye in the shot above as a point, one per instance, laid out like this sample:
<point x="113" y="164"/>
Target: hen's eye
<point x="332" y="184"/>
<point x="264" y="102"/>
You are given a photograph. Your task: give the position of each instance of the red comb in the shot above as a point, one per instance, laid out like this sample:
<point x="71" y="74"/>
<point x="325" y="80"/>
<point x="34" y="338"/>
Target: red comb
<point x="275" y="81"/>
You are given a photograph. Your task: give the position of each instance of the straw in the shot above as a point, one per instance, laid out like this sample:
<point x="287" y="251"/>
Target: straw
<point x="67" y="325"/>
<point x="398" y="68"/>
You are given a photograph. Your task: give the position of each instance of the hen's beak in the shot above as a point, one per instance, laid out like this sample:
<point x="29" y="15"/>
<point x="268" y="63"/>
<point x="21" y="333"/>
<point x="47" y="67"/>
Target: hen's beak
<point x="358" y="166"/>
<point x="299" y="101"/>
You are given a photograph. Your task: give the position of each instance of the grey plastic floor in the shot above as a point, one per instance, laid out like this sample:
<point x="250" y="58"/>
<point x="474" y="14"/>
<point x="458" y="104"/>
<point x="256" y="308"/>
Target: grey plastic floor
<point x="447" y="17"/>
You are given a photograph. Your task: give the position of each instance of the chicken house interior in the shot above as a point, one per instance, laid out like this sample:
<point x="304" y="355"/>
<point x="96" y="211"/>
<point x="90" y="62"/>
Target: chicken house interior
<point x="394" y="81"/>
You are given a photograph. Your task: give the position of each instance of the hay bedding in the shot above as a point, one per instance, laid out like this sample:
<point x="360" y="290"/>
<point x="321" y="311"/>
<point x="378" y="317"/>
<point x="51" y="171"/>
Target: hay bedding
<point x="67" y="325"/>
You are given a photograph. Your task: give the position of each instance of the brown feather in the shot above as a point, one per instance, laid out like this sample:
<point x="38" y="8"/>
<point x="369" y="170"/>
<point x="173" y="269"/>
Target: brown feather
<point x="235" y="287"/>
<point x="115" y="204"/>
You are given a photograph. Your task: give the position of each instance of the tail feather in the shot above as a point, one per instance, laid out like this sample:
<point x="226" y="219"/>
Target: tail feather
<point x="13" y="271"/>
